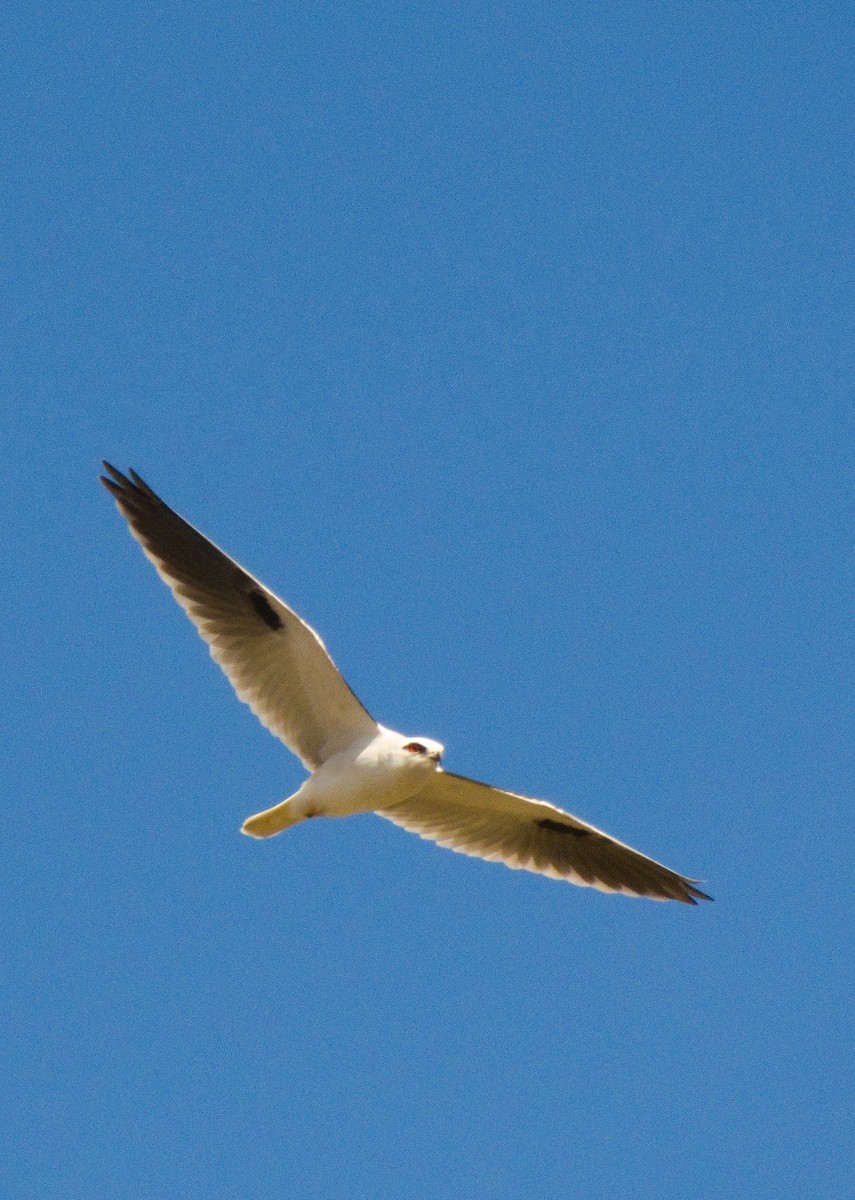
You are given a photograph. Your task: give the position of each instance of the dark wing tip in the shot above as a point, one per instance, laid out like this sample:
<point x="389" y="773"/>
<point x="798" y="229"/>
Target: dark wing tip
<point x="130" y="482"/>
<point x="115" y="482"/>
<point x="141" y="486"/>
<point x="119" y="487"/>
<point x="117" y="478"/>
<point x="693" y="894"/>
<point x="130" y="491"/>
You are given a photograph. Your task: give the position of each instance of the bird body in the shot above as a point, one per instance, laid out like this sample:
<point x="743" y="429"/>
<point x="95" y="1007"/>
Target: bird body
<point x="279" y="666"/>
<point x="368" y="776"/>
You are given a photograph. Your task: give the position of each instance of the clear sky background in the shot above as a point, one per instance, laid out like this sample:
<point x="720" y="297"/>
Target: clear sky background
<point x="506" y="343"/>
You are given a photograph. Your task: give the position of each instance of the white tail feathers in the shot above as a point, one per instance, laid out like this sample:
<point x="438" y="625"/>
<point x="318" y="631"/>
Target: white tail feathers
<point x="272" y="820"/>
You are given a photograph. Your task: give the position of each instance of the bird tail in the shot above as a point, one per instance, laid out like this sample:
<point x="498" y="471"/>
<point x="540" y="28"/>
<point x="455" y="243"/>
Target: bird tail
<point x="273" y="820"/>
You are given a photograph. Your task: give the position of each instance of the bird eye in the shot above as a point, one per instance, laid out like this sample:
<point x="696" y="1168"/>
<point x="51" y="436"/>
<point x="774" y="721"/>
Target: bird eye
<point x="416" y="748"/>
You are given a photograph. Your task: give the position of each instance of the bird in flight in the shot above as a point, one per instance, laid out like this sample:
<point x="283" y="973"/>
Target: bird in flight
<point x="279" y="666"/>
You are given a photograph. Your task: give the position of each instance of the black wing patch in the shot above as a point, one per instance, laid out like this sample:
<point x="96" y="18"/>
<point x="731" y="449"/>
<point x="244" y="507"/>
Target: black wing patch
<point x="265" y="610"/>
<point x="560" y="827"/>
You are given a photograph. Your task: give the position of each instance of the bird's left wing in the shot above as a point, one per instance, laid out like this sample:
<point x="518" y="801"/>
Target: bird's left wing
<point x="276" y="663"/>
<point x="486" y="822"/>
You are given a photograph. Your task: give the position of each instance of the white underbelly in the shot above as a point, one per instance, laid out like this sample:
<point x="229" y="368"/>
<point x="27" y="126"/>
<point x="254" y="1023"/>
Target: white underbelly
<point x="340" y="790"/>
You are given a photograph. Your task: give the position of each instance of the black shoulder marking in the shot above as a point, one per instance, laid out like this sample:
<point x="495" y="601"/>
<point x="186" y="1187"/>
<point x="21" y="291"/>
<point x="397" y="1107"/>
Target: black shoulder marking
<point x="560" y="827"/>
<point x="265" y="609"/>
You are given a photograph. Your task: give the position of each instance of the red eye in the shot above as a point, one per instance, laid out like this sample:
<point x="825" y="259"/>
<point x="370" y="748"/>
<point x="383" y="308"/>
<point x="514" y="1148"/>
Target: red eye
<point x="416" y="748"/>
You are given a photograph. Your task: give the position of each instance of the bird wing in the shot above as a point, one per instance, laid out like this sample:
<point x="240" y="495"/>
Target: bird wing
<point x="474" y="818"/>
<point x="276" y="663"/>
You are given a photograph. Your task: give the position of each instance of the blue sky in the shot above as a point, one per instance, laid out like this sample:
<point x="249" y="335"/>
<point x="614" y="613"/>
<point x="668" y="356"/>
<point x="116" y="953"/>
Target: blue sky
<point x="507" y="344"/>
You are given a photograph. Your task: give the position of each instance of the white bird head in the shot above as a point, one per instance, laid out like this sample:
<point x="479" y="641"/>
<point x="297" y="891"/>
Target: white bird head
<point x="423" y="748"/>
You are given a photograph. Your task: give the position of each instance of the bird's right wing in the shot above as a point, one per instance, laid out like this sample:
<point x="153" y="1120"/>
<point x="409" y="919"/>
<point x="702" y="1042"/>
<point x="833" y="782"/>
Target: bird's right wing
<point x="276" y="663"/>
<point x="486" y="822"/>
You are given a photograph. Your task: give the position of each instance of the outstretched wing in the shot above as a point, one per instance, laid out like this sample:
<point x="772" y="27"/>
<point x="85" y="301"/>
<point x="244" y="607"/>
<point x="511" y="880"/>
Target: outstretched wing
<point x="275" y="662"/>
<point x="474" y="818"/>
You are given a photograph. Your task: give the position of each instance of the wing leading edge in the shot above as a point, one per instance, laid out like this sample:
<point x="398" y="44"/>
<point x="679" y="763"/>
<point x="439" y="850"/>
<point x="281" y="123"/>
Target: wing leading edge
<point x="276" y="663"/>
